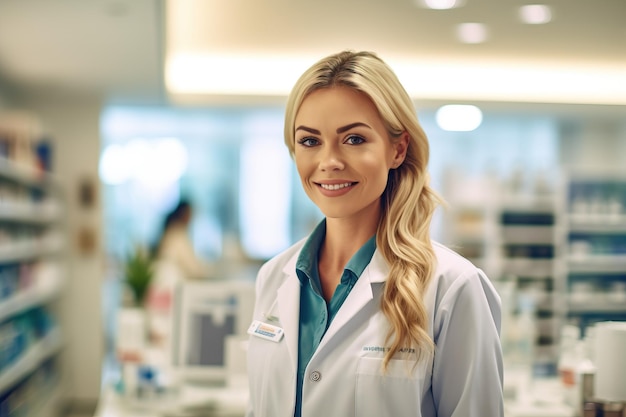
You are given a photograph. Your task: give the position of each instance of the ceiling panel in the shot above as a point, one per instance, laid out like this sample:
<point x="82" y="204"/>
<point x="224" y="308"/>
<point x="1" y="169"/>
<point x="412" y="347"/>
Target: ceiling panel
<point x="118" y="46"/>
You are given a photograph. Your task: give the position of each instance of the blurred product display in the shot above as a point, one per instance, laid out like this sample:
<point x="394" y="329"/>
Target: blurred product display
<point x="595" y="247"/>
<point x="31" y="277"/>
<point x="557" y="255"/>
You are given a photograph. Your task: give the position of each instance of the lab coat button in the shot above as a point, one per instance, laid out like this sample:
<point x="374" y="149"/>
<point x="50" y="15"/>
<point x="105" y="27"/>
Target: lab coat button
<point x="315" y="376"/>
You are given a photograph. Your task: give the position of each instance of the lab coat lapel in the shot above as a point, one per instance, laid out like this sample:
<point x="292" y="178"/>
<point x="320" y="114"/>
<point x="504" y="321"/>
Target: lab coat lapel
<point x="362" y="293"/>
<point x="289" y="309"/>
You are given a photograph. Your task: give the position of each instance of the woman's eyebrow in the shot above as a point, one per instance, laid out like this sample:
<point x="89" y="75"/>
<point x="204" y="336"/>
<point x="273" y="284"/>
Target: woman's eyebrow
<point x="341" y="129"/>
<point x="308" y="129"/>
<point x="350" y="126"/>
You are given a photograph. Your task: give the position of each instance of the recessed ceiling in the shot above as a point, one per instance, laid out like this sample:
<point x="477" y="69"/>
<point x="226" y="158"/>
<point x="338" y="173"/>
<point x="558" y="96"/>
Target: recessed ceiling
<point x="105" y="47"/>
<point x="117" y="47"/>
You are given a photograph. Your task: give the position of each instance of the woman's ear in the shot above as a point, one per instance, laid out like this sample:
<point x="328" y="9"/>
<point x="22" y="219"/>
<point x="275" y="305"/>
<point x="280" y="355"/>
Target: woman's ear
<point x="401" y="145"/>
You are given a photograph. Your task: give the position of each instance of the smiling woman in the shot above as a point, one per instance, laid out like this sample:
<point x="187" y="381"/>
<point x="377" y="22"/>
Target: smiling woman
<point x="369" y="275"/>
<point x="342" y="150"/>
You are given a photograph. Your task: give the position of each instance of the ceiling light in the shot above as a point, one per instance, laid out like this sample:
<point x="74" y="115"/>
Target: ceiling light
<point x="459" y="117"/>
<point x="535" y="14"/>
<point x="232" y="75"/>
<point x="213" y="76"/>
<point x="472" y="32"/>
<point x="440" y="4"/>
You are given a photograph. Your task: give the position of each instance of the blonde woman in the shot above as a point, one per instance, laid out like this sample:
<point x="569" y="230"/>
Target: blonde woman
<point x="367" y="316"/>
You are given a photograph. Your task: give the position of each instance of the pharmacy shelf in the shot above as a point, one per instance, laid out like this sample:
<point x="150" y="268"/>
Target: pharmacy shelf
<point x="597" y="303"/>
<point x="34" y="235"/>
<point x="531" y="203"/>
<point x="528" y="267"/>
<point x="29" y="250"/>
<point x="605" y="224"/>
<point x="25" y="175"/>
<point x="597" y="264"/>
<point x="597" y="307"/>
<point x="28" y="213"/>
<point x="31" y="360"/>
<point x="596" y="238"/>
<point x="39" y="294"/>
<point x="520" y="232"/>
<point x="525" y="234"/>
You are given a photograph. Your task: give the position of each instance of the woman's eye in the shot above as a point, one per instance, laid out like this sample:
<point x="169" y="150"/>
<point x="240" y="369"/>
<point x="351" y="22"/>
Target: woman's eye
<point x="308" y="141"/>
<point x="354" y="140"/>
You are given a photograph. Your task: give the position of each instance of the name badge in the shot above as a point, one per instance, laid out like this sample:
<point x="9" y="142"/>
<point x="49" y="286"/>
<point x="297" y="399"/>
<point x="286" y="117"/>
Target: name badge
<point x="266" y="331"/>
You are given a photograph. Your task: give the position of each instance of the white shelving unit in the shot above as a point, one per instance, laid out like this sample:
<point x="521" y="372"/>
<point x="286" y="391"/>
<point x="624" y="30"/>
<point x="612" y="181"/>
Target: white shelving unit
<point x="39" y="294"/>
<point x="595" y="238"/>
<point x="527" y="247"/>
<point x="567" y="248"/>
<point x="31" y="277"/>
<point x="31" y="360"/>
<point x="514" y="237"/>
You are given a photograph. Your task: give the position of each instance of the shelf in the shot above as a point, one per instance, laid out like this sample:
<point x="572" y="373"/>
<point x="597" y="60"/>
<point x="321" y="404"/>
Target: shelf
<point x="529" y="267"/>
<point x="597" y="303"/>
<point x="605" y="224"/>
<point x="34" y="236"/>
<point x="31" y="360"/>
<point x="524" y="234"/>
<point x="24" y="175"/>
<point x="29" y="250"/>
<point x="41" y="293"/>
<point x="28" y="213"/>
<point x="531" y="203"/>
<point x="597" y="263"/>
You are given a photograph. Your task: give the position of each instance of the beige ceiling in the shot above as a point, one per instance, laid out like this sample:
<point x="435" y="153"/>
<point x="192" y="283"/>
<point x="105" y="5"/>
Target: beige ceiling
<point x="118" y="47"/>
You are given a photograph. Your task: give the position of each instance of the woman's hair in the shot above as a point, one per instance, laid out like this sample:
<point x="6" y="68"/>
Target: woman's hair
<point x="178" y="214"/>
<point x="408" y="202"/>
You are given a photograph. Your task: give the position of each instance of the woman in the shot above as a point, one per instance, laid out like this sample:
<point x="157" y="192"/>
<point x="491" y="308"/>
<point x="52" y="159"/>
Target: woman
<point x="377" y="319"/>
<point x="175" y="245"/>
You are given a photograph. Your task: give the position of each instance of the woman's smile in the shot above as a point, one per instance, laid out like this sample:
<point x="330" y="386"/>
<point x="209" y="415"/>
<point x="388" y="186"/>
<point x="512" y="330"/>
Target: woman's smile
<point x="335" y="186"/>
<point x="335" y="189"/>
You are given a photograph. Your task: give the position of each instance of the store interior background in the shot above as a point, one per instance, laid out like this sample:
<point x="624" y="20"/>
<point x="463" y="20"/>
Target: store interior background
<point x="96" y="76"/>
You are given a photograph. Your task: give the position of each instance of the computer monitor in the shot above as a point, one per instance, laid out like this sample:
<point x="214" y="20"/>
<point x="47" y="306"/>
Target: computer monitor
<point x="210" y="318"/>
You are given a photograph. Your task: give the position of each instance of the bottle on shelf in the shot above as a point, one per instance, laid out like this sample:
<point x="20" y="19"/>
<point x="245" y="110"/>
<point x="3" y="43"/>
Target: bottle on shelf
<point x="570" y="335"/>
<point x="576" y="367"/>
<point x="523" y="355"/>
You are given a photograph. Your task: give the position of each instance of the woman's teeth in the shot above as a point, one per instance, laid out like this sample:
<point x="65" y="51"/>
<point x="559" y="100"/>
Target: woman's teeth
<point x="335" y="186"/>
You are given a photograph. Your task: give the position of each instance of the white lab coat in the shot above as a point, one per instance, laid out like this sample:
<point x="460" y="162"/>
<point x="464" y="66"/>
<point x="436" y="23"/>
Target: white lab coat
<point x="344" y="376"/>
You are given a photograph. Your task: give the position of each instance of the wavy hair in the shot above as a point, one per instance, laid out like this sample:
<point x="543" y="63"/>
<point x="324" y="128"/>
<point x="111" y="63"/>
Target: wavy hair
<point x="408" y="202"/>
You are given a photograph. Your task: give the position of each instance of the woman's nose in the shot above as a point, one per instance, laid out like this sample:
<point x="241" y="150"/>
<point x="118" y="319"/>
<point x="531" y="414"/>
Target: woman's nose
<point x="330" y="159"/>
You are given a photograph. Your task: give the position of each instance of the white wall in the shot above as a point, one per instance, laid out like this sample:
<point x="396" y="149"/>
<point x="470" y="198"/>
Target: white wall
<point x="73" y="125"/>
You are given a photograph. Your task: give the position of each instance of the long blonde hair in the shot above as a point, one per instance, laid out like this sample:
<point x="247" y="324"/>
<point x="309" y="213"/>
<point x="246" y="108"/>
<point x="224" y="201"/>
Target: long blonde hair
<point x="408" y="202"/>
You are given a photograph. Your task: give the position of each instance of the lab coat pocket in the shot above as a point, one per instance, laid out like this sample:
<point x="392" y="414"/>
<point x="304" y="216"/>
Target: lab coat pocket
<point x="394" y="393"/>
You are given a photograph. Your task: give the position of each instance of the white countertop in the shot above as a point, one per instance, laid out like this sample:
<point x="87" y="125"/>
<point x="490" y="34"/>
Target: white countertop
<point x="189" y="401"/>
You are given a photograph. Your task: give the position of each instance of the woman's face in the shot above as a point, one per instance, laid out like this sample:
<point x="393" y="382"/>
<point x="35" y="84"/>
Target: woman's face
<point x="343" y="152"/>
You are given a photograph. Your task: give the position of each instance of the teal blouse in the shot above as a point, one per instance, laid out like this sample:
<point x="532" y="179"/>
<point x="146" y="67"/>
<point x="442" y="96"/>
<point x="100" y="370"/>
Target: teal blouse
<point x="315" y="314"/>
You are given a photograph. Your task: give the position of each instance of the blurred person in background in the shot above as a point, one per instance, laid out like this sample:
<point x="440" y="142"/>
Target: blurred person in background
<point x="176" y="262"/>
<point x="176" y="247"/>
<point x="367" y="316"/>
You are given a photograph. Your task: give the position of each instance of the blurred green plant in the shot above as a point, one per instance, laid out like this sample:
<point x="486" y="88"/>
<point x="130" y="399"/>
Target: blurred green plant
<point x="138" y="272"/>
